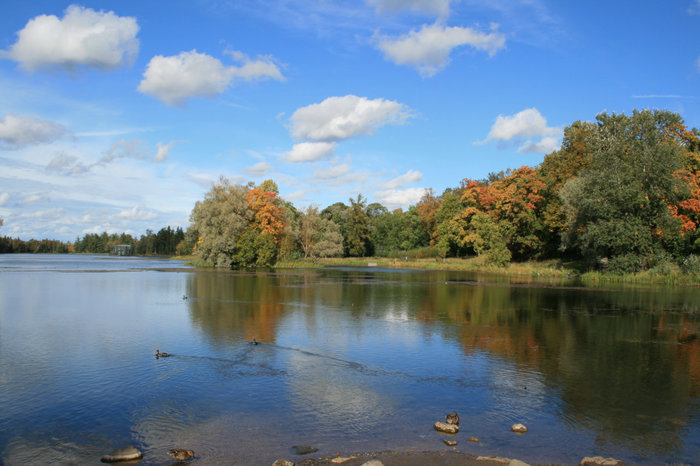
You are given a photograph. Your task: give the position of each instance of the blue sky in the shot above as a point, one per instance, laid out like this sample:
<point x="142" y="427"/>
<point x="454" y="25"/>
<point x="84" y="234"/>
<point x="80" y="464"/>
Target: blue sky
<point x="119" y="116"/>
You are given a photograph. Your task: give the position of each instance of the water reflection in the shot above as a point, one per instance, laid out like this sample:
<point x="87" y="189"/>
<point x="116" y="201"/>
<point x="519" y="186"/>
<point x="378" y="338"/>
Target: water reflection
<point x="349" y="360"/>
<point x="605" y="361"/>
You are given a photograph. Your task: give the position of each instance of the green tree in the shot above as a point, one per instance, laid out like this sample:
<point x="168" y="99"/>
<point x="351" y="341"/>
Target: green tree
<point x="358" y="239"/>
<point x="220" y="221"/>
<point x="619" y="206"/>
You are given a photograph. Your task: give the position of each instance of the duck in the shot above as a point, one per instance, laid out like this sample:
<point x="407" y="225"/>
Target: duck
<point x="452" y="418"/>
<point x="254" y="342"/>
<point x="184" y="297"/>
<point x="181" y="454"/>
<point x="161" y="355"/>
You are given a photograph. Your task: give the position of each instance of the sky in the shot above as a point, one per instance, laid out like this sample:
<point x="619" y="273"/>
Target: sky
<point x="120" y="116"/>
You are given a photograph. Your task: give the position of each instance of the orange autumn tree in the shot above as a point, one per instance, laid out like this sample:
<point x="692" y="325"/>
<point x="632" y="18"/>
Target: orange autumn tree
<point x="512" y="202"/>
<point x="268" y="217"/>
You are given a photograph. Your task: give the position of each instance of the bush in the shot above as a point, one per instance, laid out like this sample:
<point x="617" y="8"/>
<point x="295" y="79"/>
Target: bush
<point x="691" y="265"/>
<point x="625" y="263"/>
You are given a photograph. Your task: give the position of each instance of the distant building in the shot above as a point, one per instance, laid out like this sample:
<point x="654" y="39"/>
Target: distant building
<point x="121" y="250"/>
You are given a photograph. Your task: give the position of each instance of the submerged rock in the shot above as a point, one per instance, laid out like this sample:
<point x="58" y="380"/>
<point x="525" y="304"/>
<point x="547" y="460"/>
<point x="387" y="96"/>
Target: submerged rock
<point x="181" y="454"/>
<point x="473" y="439"/>
<point x="452" y="419"/>
<point x="518" y="428"/>
<point x="446" y="428"/>
<point x="303" y="449"/>
<point x="122" y="454"/>
<point x="450" y="443"/>
<point x="600" y="461"/>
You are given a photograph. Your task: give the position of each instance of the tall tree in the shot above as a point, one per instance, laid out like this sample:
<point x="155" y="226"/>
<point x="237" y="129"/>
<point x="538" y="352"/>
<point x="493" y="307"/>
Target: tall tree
<point x="619" y="206"/>
<point x="359" y="240"/>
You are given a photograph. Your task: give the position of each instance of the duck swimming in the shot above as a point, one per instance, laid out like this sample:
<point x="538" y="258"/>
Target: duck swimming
<point x="181" y="454"/>
<point x="254" y="342"/>
<point x="161" y="355"/>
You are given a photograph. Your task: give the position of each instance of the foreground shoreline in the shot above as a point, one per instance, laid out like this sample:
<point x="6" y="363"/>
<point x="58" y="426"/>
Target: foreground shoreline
<point x="433" y="458"/>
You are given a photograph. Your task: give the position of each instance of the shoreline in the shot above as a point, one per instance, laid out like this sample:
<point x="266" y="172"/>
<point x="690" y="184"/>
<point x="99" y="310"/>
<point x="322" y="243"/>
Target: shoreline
<point x="430" y="457"/>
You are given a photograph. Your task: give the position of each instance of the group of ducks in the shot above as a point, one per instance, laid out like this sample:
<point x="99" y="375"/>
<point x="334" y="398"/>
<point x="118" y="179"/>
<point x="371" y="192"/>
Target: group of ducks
<point x="160" y="354"/>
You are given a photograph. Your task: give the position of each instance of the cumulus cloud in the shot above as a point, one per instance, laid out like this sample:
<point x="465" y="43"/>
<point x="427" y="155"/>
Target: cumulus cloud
<point x="310" y="151"/>
<point x="17" y="131"/>
<point x="544" y="146"/>
<point x="525" y="125"/>
<point x="259" y="169"/>
<point x="395" y="198"/>
<point x="338" y="118"/>
<point x="190" y="74"/>
<point x="136" y="213"/>
<point x="83" y="37"/>
<point x="411" y="176"/>
<point x="440" y="8"/>
<point x="428" y="49"/>
<point x="163" y="151"/>
<point x="4" y="197"/>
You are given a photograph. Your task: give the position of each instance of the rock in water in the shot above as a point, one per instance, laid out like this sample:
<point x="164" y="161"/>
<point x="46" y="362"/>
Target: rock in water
<point x="303" y="449"/>
<point x="181" y="454"/>
<point x="450" y="443"/>
<point x="474" y="439"/>
<point x="122" y="454"/>
<point x="446" y="428"/>
<point x="452" y="419"/>
<point x="518" y="428"/>
<point x="282" y="462"/>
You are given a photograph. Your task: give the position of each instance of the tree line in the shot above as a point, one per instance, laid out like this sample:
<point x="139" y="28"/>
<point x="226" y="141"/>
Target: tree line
<point x="166" y="242"/>
<point x="622" y="194"/>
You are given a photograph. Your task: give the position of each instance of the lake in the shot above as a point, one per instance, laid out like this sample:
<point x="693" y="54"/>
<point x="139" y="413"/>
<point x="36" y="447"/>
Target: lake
<point x="349" y="360"/>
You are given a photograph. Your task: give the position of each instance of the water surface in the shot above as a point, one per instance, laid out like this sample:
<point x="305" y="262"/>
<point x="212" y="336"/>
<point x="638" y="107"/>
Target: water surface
<point x="350" y="360"/>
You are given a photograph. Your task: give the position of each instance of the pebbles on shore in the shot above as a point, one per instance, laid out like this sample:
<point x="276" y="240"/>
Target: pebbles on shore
<point x="122" y="454"/>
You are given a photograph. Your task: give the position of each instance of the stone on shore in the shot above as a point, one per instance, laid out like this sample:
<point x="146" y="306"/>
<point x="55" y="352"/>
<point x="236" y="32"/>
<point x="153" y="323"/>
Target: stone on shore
<point x="342" y="459"/>
<point x="122" y="454"/>
<point x="446" y="428"/>
<point x="373" y="463"/>
<point x="518" y="428"/>
<point x="600" y="461"/>
<point x="498" y="459"/>
<point x="282" y="462"/>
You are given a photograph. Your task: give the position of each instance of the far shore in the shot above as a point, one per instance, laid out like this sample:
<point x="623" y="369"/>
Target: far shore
<point x="532" y="271"/>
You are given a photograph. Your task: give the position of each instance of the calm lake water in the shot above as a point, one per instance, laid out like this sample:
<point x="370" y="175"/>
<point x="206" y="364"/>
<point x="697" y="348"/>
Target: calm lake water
<point x="350" y="360"/>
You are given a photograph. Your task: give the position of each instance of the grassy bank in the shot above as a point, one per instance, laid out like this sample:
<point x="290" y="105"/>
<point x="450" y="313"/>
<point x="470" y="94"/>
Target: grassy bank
<point x="539" y="270"/>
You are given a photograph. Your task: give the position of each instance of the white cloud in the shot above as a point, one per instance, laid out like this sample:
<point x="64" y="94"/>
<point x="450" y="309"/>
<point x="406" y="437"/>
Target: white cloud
<point x="16" y="131"/>
<point x="544" y="146"/>
<point x="264" y="66"/>
<point x="83" y="37"/>
<point x="310" y="151"/>
<point x="440" y="8"/>
<point x="123" y="149"/>
<point x="395" y="198"/>
<point x="525" y="125"/>
<point x="334" y="172"/>
<point x="190" y="74"/>
<point x="338" y="118"/>
<point x="428" y="49"/>
<point x="411" y="176"/>
<point x="33" y="198"/>
<point x="4" y="197"/>
<point x="163" y="151"/>
<point x="67" y="165"/>
<point x="136" y="213"/>
<point x="259" y="169"/>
